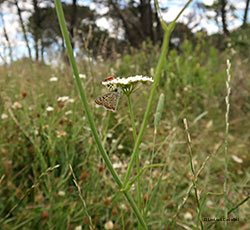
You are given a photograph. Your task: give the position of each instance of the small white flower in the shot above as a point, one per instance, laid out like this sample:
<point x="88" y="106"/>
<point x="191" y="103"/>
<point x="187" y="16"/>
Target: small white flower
<point x="123" y="206"/>
<point x="83" y="118"/>
<point x="78" y="227"/>
<point x="126" y="84"/>
<point x="61" y="193"/>
<point x="63" y="98"/>
<point x="127" y="81"/>
<point x="237" y="159"/>
<point x="71" y="100"/>
<point x="36" y="132"/>
<point x="109" y="135"/>
<point x="16" y="105"/>
<point x="49" y="109"/>
<point x="4" y="116"/>
<point x="68" y="112"/>
<point x="120" y="146"/>
<point x="188" y="216"/>
<point x="209" y="203"/>
<point x="117" y="165"/>
<point x="83" y="76"/>
<point x="87" y="128"/>
<point x="61" y="133"/>
<point x="53" y="79"/>
<point x="109" y="225"/>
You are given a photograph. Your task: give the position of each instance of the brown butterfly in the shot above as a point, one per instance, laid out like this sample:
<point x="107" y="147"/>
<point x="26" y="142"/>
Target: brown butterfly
<point x="109" y="101"/>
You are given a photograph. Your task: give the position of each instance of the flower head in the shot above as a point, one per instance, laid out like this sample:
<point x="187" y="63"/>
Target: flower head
<point x="53" y="79"/>
<point x="61" y="133"/>
<point x="63" y="98"/>
<point x="4" y="116"/>
<point x="109" y="225"/>
<point x="16" y="105"/>
<point x="126" y="84"/>
<point x="49" y="109"/>
<point x="83" y="76"/>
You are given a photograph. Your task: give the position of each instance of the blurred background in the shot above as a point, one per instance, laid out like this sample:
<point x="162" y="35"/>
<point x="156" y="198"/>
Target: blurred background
<point x="30" y="28"/>
<point x="44" y="128"/>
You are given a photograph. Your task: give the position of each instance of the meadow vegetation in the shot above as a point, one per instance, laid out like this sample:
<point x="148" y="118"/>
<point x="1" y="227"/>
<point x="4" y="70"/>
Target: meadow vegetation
<point x="44" y="130"/>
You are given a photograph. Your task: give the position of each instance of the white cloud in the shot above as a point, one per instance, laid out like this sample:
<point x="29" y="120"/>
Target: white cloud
<point x="208" y="2"/>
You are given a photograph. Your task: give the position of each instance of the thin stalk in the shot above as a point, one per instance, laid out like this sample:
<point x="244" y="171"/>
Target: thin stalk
<point x="137" y="156"/>
<point x="131" y="116"/>
<point x="102" y="151"/>
<point x="151" y="162"/>
<point x="182" y="10"/>
<point x="141" y="172"/>
<point x="226" y="138"/>
<point x="193" y="172"/>
<point x="91" y="226"/>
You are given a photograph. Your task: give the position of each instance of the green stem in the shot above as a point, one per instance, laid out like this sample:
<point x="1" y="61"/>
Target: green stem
<point x="131" y="116"/>
<point x="150" y="173"/>
<point x="141" y="172"/>
<point x="102" y="151"/>
<point x="137" y="155"/>
<point x="182" y="10"/>
<point x="194" y="180"/>
<point x="151" y="99"/>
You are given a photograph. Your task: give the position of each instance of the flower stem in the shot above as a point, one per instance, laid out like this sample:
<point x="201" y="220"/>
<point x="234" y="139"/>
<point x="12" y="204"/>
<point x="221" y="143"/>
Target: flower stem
<point x="102" y="151"/>
<point x="150" y="101"/>
<point x="137" y="155"/>
<point x="131" y="116"/>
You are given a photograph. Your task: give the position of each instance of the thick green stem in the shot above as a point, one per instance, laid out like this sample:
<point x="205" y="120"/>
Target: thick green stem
<point x="102" y="151"/>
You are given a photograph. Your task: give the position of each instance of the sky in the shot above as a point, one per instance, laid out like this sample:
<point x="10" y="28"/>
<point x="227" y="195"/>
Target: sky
<point x="19" y="49"/>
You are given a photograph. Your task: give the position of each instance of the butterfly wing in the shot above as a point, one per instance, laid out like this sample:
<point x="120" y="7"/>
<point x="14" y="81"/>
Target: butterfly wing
<point x="109" y="101"/>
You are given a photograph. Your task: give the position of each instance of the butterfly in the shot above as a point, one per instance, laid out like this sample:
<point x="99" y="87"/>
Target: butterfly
<point x="110" y="100"/>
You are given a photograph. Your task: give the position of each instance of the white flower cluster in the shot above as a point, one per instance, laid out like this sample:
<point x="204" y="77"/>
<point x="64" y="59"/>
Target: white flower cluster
<point x="65" y="99"/>
<point x="128" y="81"/>
<point x="53" y="79"/>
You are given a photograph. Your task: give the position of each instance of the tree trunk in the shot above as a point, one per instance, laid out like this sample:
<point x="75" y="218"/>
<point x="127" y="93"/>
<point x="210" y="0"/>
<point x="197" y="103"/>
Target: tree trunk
<point x="7" y="38"/>
<point x="147" y="19"/>
<point x="133" y="32"/>
<point x="37" y="23"/>
<point x="73" y="22"/>
<point x="245" y="14"/>
<point x="23" y="28"/>
<point x="42" y="50"/>
<point x="223" y="16"/>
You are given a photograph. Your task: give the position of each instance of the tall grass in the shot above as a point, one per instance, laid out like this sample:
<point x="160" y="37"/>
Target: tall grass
<point x="34" y="196"/>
